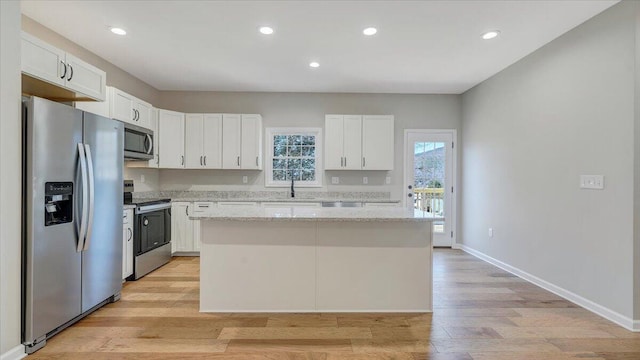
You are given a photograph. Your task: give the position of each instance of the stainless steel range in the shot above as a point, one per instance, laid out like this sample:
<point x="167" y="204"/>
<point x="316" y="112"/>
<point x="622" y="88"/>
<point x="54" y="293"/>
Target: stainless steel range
<point x="151" y="233"/>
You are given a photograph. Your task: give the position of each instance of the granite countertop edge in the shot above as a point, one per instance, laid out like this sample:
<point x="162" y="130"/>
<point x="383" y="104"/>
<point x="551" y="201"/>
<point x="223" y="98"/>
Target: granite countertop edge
<point x="310" y="219"/>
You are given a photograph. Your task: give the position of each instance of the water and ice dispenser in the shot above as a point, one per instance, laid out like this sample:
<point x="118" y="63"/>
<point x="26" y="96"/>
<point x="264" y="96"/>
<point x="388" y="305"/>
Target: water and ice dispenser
<point x="58" y="203"/>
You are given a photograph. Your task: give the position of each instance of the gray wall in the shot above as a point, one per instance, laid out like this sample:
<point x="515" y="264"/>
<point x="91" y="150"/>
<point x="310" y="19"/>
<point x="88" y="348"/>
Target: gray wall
<point x="529" y="132"/>
<point x="308" y="110"/>
<point x="10" y="178"/>
<point x="115" y="76"/>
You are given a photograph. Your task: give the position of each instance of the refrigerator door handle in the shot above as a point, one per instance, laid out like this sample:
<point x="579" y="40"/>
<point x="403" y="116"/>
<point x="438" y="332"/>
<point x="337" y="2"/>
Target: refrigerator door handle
<point x="87" y="242"/>
<point x="85" y="198"/>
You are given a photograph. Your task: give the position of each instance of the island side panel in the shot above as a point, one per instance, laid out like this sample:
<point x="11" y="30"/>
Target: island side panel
<point x="250" y="266"/>
<point x="374" y="266"/>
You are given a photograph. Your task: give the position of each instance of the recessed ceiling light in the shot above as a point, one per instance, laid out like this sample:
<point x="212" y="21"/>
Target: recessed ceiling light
<point x="370" y="31"/>
<point x="266" y="30"/>
<point x="314" y="64"/>
<point x="118" y="31"/>
<point x="490" y="34"/>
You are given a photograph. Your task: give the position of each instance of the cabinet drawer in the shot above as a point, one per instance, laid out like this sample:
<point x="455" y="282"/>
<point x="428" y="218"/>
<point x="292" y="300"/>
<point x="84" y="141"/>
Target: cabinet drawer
<point x="203" y="207"/>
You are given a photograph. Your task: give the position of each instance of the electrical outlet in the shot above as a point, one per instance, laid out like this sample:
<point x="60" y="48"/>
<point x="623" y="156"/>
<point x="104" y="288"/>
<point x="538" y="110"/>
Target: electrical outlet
<point x="335" y="180"/>
<point x="387" y="180"/>
<point x="595" y="182"/>
<point x="490" y="232"/>
<point x="245" y="179"/>
<point x="365" y="180"/>
<point x="142" y="179"/>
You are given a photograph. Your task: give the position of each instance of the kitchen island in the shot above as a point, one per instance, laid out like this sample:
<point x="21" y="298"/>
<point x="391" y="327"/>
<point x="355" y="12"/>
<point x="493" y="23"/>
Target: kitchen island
<point x="294" y="259"/>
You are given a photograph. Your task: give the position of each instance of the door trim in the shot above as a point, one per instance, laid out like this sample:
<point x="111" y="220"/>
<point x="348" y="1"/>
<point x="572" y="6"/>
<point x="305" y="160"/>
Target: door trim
<point x="454" y="171"/>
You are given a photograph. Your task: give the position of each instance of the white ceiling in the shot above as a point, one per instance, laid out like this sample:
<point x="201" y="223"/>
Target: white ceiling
<point x="421" y="46"/>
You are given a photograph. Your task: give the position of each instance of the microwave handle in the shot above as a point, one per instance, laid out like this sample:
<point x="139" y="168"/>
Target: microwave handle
<point x="150" y="140"/>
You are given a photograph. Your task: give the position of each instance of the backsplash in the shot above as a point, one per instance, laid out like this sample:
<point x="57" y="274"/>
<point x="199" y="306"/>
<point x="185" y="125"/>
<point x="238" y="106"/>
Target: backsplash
<point x="262" y="195"/>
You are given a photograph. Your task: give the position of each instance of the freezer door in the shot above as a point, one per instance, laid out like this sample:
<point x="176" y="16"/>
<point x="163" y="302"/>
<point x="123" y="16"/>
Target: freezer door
<point x="102" y="255"/>
<point x="51" y="265"/>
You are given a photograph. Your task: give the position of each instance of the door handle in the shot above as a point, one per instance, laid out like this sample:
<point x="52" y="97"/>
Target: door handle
<point x="201" y="160"/>
<point x="91" y="196"/>
<point x="205" y="160"/>
<point x="238" y="160"/>
<point x="186" y="210"/>
<point x="64" y="74"/>
<point x="181" y="159"/>
<point x="130" y="234"/>
<point x="82" y="232"/>
<point x="345" y="161"/>
<point x="257" y="161"/>
<point x="150" y="140"/>
<point x="364" y="162"/>
<point x="71" y="73"/>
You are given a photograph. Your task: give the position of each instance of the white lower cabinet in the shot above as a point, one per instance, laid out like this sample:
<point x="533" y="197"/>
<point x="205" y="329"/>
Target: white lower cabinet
<point x="185" y="233"/>
<point x="127" y="243"/>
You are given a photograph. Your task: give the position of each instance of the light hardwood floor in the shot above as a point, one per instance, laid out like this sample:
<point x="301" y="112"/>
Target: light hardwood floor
<point x="481" y="313"/>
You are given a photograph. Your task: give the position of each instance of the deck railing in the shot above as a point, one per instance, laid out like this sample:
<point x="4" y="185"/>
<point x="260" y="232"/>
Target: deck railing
<point x="430" y="200"/>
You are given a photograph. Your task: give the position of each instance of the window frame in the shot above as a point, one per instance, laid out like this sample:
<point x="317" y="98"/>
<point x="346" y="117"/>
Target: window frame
<point x="308" y="131"/>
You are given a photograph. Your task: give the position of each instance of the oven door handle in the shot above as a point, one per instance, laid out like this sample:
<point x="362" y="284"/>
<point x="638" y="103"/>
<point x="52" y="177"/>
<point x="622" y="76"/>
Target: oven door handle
<point x="150" y="208"/>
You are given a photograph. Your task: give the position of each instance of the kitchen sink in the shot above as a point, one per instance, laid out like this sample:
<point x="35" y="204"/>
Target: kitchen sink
<point x="349" y="204"/>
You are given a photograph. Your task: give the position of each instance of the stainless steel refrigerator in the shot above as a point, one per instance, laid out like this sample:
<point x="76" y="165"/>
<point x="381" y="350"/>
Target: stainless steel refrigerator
<point x="72" y="216"/>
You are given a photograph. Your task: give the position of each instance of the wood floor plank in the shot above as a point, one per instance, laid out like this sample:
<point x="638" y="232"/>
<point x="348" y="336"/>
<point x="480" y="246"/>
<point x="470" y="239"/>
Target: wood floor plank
<point x="296" y="333"/>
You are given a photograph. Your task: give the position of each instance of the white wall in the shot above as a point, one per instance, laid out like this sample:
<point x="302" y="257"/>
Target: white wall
<point x="308" y="110"/>
<point x="529" y="132"/>
<point x="10" y="176"/>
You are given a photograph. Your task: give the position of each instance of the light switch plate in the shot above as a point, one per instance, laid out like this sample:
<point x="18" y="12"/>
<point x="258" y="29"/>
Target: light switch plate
<point x="490" y="232"/>
<point x="245" y="179"/>
<point x="335" y="180"/>
<point x="365" y="180"/>
<point x="595" y="182"/>
<point x="387" y="180"/>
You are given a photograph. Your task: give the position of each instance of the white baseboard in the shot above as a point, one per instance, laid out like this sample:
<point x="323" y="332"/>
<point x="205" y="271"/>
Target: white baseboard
<point x="626" y="322"/>
<point x="16" y="353"/>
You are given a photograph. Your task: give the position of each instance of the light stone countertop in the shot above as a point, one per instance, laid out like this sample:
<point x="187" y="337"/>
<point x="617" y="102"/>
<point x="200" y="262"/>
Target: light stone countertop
<point x="267" y="196"/>
<point x="287" y="200"/>
<point x="386" y="214"/>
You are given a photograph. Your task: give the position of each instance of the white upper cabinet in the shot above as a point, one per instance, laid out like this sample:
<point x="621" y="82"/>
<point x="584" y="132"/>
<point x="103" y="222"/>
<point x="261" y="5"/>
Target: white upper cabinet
<point x="231" y="136"/>
<point x="212" y="137"/>
<point x="128" y="108"/>
<point x="251" y="142"/>
<point x="343" y="142"/>
<point x="203" y="141"/>
<point x="356" y="142"/>
<point x="352" y="137"/>
<point x="377" y="142"/>
<point x="171" y="127"/>
<point x="50" y="64"/>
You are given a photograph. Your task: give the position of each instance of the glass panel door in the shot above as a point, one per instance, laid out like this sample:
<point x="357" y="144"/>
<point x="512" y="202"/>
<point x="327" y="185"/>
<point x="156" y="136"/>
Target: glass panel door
<point x="428" y="175"/>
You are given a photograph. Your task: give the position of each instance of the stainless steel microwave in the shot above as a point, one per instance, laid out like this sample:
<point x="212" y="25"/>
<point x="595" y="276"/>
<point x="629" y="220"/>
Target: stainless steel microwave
<point x="138" y="143"/>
